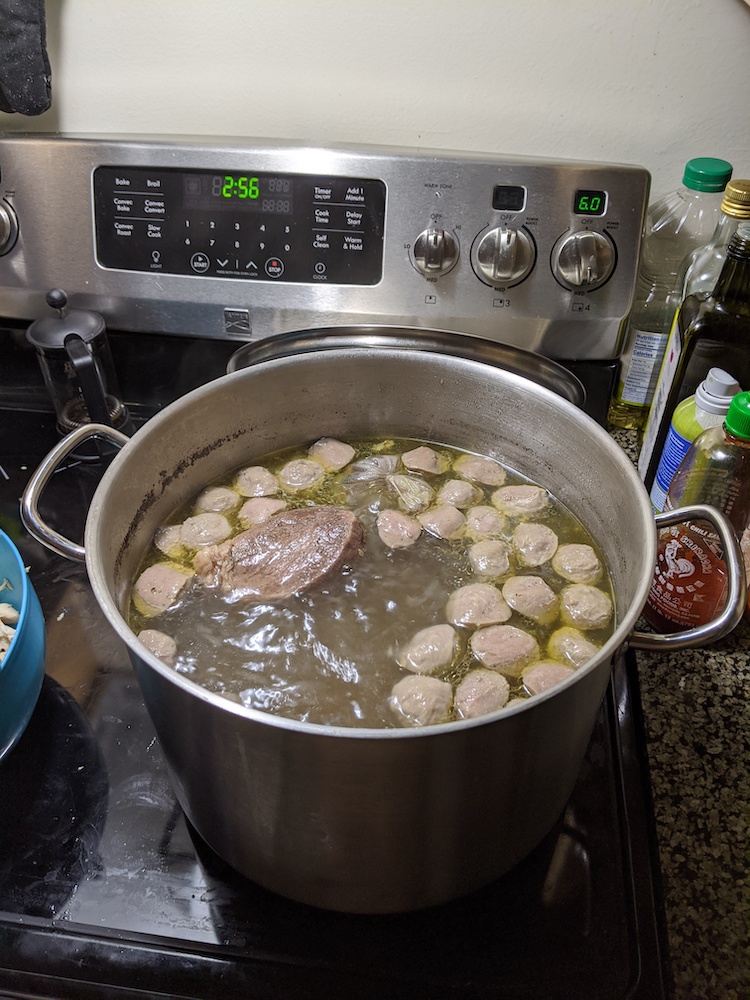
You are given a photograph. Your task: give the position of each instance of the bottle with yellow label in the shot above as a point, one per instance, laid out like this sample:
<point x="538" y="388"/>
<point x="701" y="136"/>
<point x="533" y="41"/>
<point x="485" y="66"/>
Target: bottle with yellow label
<point x="675" y="226"/>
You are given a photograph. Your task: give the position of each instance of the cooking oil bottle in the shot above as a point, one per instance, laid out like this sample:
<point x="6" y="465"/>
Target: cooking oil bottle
<point x="700" y="269"/>
<point x="709" y="331"/>
<point x="690" y="580"/>
<point x="676" y="225"/>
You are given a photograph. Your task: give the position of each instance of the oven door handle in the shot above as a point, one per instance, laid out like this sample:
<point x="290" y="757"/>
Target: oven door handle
<point x="30" y="516"/>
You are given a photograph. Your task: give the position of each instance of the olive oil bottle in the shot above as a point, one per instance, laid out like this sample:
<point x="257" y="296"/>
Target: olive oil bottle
<point x="709" y="331"/>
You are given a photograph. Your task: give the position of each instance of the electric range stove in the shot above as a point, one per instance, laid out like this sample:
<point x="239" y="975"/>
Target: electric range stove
<point x="105" y="889"/>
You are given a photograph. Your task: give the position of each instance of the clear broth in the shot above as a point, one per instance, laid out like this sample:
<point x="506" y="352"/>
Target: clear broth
<point x="329" y="655"/>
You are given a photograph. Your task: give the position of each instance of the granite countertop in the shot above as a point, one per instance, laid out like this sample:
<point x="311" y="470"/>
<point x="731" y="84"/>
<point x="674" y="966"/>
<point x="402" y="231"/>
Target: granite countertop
<point x="696" y="707"/>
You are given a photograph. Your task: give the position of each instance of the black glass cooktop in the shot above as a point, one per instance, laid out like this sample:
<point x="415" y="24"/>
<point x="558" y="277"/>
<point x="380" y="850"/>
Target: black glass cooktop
<point x="105" y="891"/>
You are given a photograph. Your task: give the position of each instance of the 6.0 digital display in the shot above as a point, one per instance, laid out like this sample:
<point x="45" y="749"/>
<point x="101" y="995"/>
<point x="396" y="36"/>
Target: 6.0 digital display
<point x="590" y="202"/>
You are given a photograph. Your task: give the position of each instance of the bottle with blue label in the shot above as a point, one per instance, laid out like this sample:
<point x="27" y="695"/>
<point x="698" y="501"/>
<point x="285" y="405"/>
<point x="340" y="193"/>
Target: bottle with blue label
<point x="707" y="408"/>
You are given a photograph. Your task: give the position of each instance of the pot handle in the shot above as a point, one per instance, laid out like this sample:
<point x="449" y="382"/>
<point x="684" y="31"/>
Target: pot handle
<point x="734" y="607"/>
<point x="32" y="520"/>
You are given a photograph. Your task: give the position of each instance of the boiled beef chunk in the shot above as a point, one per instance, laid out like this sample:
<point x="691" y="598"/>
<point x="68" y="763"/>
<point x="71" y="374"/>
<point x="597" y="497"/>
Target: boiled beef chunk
<point x="288" y="554"/>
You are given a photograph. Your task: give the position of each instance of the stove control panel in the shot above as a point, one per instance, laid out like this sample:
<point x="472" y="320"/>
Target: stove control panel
<point x="248" y="225"/>
<point x="242" y="238"/>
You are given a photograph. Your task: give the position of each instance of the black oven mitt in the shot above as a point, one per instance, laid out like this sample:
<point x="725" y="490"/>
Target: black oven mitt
<point x="24" y="66"/>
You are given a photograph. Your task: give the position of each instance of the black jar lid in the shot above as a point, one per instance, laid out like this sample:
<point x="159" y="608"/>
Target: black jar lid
<point x="50" y="332"/>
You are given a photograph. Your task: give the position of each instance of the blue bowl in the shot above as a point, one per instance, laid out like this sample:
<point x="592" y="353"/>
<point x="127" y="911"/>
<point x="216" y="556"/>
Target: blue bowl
<point x="22" y="667"/>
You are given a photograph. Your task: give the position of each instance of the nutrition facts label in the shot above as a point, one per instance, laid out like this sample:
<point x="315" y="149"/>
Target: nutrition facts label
<point x="244" y="225"/>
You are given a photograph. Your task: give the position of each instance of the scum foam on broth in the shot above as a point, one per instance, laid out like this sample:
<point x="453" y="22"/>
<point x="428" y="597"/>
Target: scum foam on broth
<point x="335" y="653"/>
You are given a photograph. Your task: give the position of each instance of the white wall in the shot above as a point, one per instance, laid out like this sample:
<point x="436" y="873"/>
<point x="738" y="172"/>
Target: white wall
<point x="653" y="82"/>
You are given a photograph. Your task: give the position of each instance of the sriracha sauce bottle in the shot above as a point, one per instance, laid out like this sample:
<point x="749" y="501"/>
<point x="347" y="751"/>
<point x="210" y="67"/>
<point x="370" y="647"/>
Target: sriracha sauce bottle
<point x="690" y="578"/>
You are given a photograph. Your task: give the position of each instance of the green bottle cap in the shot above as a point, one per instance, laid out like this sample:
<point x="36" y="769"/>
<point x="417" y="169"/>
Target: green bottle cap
<point x="704" y="173"/>
<point x="738" y="416"/>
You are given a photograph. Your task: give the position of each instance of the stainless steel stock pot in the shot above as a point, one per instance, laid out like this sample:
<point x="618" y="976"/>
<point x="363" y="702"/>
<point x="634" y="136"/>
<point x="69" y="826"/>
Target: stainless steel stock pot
<point x="372" y="820"/>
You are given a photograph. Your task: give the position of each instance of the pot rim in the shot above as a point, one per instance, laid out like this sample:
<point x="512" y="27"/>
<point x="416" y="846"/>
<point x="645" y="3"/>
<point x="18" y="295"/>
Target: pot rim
<point x="152" y="429"/>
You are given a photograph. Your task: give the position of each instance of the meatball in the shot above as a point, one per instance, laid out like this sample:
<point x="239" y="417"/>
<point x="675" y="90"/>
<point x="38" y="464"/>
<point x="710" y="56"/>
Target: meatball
<point x="569" y="645"/>
<point x="430" y="650"/>
<point x="545" y="675"/>
<point x="490" y="558"/>
<point x="481" y="692"/>
<point x="424" y="459"/>
<point x="444" y="521"/>
<point x="301" y="474"/>
<point x="331" y="454"/>
<point x="421" y="701"/>
<point x="257" y="510"/>
<point x="217" y="499"/>
<point x="159" y="587"/>
<point x="504" y="647"/>
<point x="397" y="530"/>
<point x="168" y="540"/>
<point x="477" y="604"/>
<point x="160" y="644"/>
<point x="577" y="563"/>
<point x="204" y="529"/>
<point x="484" y="522"/>
<point x="531" y="597"/>
<point x="255" y="481"/>
<point x="585" y="606"/>
<point x="459" y="493"/>
<point x="480" y="469"/>
<point x="534" y="543"/>
<point x="518" y="501"/>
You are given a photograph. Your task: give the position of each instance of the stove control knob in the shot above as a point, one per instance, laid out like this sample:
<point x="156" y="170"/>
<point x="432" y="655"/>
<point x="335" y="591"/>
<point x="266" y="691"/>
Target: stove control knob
<point x="504" y="256"/>
<point x="435" y="252"/>
<point x="584" y="259"/>
<point x="8" y="227"/>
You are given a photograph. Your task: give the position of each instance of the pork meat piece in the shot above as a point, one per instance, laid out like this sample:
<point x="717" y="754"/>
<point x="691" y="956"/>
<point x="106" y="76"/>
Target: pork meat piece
<point x="577" y="563"/>
<point x="421" y="701"/>
<point x="531" y="597"/>
<point x="545" y="675"/>
<point x="504" y="647"/>
<point x="481" y="692"/>
<point x="397" y="530"/>
<point x="331" y="453"/>
<point x="290" y="553"/>
<point x="481" y="470"/>
<point x="477" y="604"/>
<point x="584" y="606"/>
<point x="424" y="459"/>
<point x="535" y="543"/>
<point x="430" y="650"/>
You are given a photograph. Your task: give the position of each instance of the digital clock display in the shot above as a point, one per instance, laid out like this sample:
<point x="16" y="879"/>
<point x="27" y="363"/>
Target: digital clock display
<point x="590" y="202"/>
<point x="265" y="193"/>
